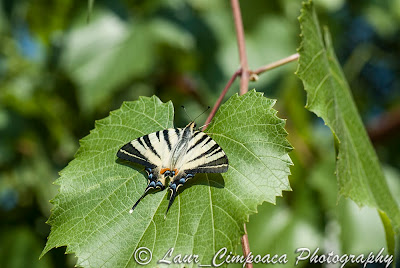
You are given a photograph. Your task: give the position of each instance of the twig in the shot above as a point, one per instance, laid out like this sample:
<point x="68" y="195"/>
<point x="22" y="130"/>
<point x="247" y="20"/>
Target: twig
<point x="244" y="86"/>
<point x="244" y="238"/>
<point x="244" y="81"/>
<point x="246" y="246"/>
<point x="273" y="65"/>
<point x="239" y="72"/>
<point x="220" y="98"/>
<point x="245" y="73"/>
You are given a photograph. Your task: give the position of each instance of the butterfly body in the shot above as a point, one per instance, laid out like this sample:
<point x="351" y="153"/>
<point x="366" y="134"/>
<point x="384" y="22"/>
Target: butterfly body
<point x="172" y="156"/>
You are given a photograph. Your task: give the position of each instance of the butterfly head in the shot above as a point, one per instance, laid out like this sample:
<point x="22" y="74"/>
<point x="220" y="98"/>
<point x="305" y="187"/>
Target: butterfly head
<point x="191" y="125"/>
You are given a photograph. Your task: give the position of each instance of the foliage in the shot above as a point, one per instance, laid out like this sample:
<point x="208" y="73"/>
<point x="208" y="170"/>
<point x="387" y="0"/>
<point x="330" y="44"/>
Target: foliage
<point x="359" y="174"/>
<point x="96" y="192"/>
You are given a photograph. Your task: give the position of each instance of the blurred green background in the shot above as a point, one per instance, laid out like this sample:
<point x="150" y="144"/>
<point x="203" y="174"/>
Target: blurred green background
<point x="59" y="72"/>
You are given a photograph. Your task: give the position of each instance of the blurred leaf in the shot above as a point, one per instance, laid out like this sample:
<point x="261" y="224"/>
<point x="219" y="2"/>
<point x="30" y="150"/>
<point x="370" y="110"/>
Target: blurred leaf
<point x="355" y="222"/>
<point x="390" y="235"/>
<point x="262" y="50"/>
<point x="346" y="224"/>
<point x="108" y="54"/>
<point x="19" y="247"/>
<point x="280" y="230"/>
<point x="91" y="210"/>
<point x="383" y="20"/>
<point x="393" y="178"/>
<point x="293" y="100"/>
<point x="331" y="5"/>
<point x="322" y="179"/>
<point x="328" y="95"/>
<point x="54" y="16"/>
<point x="7" y="134"/>
<point x="163" y="31"/>
<point x="105" y="55"/>
<point x="33" y="175"/>
<point x="90" y="9"/>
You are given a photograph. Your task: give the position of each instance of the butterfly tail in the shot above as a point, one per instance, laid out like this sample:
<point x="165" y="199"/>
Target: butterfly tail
<point x="140" y="199"/>
<point x="171" y="198"/>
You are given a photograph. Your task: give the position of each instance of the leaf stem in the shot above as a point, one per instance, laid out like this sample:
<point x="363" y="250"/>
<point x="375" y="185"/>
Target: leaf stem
<point x="220" y="98"/>
<point x="244" y="81"/>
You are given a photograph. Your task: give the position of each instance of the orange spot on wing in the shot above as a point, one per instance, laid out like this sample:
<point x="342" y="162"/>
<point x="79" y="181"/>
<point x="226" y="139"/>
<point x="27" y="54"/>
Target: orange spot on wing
<point x="163" y="170"/>
<point x="176" y="171"/>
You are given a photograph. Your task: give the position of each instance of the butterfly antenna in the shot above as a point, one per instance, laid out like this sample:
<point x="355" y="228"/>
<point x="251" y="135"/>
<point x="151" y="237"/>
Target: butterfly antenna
<point x="140" y="199"/>
<point x="171" y="200"/>
<point x="183" y="107"/>
<point x="202" y="113"/>
<point x="192" y="120"/>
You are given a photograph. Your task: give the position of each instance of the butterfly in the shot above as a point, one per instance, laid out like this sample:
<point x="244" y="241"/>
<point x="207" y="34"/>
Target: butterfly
<point x="173" y="156"/>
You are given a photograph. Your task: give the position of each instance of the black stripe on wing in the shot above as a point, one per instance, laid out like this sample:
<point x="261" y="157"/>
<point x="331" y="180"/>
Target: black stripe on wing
<point x="166" y="138"/>
<point x="219" y="165"/>
<point x="197" y="133"/>
<point x="158" y="135"/>
<point x="199" y="141"/>
<point x="215" y="152"/>
<point x="178" y="132"/>
<point x="140" y="142"/>
<point x="130" y="153"/>
<point x="207" y="153"/>
<point x="148" y="143"/>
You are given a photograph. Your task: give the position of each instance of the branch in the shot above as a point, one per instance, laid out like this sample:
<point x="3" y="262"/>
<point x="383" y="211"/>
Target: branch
<point x="244" y="81"/>
<point x="245" y="73"/>
<point x="246" y="246"/>
<point x="220" y="98"/>
<point x="254" y="74"/>
<point x="253" y="77"/>
<point x="244" y="86"/>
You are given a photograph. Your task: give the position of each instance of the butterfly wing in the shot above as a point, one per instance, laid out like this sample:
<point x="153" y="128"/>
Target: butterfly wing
<point x="152" y="150"/>
<point x="204" y="155"/>
<point x="185" y="150"/>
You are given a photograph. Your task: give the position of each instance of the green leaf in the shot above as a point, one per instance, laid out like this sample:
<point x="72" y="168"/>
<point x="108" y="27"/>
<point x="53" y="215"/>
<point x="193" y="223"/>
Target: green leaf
<point x="328" y="96"/>
<point x="90" y="214"/>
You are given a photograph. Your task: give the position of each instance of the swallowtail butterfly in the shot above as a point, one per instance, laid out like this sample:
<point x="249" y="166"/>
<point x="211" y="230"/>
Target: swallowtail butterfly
<point x="173" y="156"/>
